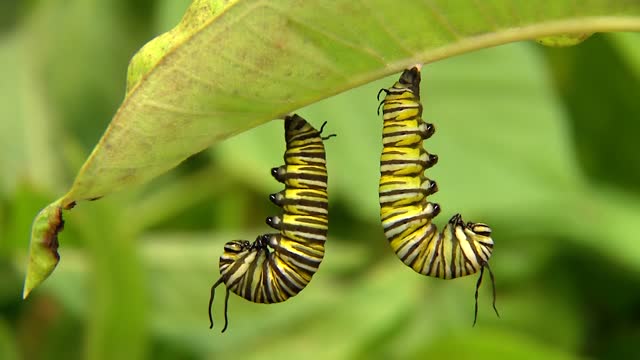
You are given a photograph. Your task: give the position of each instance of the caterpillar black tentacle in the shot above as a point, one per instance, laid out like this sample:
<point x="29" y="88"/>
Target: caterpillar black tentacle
<point x="460" y="249"/>
<point x="278" y="266"/>
<point x="493" y="282"/>
<point x="322" y="129"/>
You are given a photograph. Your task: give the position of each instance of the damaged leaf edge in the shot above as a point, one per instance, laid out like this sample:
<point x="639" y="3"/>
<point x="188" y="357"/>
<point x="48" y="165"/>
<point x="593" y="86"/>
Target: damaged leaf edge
<point x="43" y="247"/>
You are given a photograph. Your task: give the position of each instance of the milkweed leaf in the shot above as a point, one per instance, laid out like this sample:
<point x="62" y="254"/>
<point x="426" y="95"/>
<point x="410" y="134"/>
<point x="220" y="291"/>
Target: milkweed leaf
<point x="230" y="66"/>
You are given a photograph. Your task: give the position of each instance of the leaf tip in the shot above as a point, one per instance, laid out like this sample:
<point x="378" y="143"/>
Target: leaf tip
<point x="43" y="248"/>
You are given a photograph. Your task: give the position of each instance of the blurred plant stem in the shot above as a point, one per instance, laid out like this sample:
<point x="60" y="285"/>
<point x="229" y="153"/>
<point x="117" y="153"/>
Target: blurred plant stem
<point x="118" y="326"/>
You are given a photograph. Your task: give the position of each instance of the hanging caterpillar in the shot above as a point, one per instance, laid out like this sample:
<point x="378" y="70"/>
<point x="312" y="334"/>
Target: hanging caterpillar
<point x="461" y="248"/>
<point x="278" y="266"/>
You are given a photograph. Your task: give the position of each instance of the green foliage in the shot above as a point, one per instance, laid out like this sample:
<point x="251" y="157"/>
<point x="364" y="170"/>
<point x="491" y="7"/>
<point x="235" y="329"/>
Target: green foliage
<point x="537" y="142"/>
<point x="575" y="75"/>
<point x="221" y="71"/>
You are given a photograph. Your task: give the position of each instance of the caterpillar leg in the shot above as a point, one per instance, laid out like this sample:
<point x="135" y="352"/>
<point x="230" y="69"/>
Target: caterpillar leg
<point x="226" y="304"/>
<point x="493" y="284"/>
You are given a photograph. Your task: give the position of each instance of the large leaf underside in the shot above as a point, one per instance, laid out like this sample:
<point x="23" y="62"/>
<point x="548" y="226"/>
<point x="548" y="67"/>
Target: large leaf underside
<point x="232" y="65"/>
<point x="258" y="60"/>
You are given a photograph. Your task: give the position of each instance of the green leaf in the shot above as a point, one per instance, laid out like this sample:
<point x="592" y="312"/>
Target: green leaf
<point x="604" y="219"/>
<point x="230" y="66"/>
<point x="603" y="116"/>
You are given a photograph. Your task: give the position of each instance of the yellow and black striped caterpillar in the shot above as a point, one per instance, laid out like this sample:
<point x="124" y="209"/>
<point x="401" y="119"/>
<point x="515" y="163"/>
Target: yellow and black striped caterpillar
<point x="263" y="275"/>
<point x="461" y="248"/>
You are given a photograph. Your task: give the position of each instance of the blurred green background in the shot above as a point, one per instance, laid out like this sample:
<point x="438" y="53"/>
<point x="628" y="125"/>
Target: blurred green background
<point x="540" y="143"/>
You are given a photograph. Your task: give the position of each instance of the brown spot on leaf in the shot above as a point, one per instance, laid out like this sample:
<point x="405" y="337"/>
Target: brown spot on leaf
<point x="50" y="238"/>
<point x="70" y="205"/>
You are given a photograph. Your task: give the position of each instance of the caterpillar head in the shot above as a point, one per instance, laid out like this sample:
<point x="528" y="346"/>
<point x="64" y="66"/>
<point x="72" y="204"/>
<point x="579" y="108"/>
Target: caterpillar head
<point x="262" y="242"/>
<point x="236" y="246"/>
<point x="267" y="240"/>
<point x="233" y="250"/>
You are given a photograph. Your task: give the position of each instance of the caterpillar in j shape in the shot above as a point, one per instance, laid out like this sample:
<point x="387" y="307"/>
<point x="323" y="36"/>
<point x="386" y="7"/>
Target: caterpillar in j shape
<point x="461" y="248"/>
<point x="277" y="266"/>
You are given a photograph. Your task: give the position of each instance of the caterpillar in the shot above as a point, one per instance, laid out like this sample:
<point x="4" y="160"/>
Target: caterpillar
<point x="278" y="266"/>
<point x="460" y="249"/>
